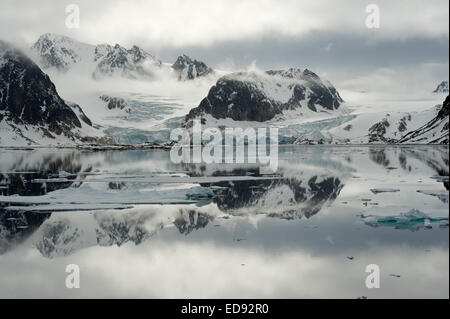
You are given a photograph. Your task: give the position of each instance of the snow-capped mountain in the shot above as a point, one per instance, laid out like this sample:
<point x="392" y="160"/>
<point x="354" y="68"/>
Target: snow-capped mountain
<point x="442" y="87"/>
<point x="131" y="63"/>
<point x="304" y="107"/>
<point x="433" y="132"/>
<point x="189" y="69"/>
<point x="64" y="53"/>
<point x="260" y="96"/>
<point x="60" y="52"/>
<point x="31" y="111"/>
<point x="425" y="127"/>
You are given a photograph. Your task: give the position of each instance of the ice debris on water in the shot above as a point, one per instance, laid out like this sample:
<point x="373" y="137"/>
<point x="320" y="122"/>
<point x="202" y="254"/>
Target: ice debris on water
<point x="440" y="179"/>
<point x="413" y="220"/>
<point x="442" y="195"/>
<point x="384" y="190"/>
<point x="199" y="193"/>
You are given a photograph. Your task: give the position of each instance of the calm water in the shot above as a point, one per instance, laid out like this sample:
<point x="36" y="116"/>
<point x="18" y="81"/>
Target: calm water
<point x="138" y="225"/>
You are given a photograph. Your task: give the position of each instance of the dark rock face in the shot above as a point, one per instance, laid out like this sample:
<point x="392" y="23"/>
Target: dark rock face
<point x="248" y="96"/>
<point x="445" y="110"/>
<point x="190" y="220"/>
<point x="189" y="69"/>
<point x="114" y="102"/>
<point x="28" y="96"/>
<point x="377" y="132"/>
<point x="252" y="105"/>
<point x="79" y="112"/>
<point x="435" y="131"/>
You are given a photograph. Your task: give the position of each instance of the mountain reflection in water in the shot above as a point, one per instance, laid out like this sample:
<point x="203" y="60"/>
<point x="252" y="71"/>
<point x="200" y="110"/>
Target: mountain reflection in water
<point x="310" y="178"/>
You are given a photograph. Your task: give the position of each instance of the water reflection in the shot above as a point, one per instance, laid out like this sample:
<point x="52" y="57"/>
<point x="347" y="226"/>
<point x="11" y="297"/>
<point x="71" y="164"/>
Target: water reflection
<point x="319" y="201"/>
<point x="286" y="198"/>
<point x="435" y="158"/>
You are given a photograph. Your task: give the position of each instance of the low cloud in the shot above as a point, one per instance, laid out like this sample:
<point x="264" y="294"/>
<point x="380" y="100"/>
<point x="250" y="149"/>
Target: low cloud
<point x="179" y="23"/>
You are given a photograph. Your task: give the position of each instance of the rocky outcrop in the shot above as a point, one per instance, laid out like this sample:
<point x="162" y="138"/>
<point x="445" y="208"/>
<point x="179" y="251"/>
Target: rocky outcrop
<point x="115" y="103"/>
<point x="28" y="98"/>
<point x="189" y="69"/>
<point x="256" y="96"/>
<point x="435" y="131"/>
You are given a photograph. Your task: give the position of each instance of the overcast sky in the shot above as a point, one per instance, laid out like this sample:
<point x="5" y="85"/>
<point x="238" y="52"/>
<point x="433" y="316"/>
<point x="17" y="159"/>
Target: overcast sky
<point x="327" y="36"/>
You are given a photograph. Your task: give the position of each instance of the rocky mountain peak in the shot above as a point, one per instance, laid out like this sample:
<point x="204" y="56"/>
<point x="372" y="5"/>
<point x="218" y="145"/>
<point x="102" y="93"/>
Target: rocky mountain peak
<point x="260" y="96"/>
<point x="442" y="87"/>
<point x="436" y="131"/>
<point x="189" y="69"/>
<point x="61" y="52"/>
<point x="128" y="63"/>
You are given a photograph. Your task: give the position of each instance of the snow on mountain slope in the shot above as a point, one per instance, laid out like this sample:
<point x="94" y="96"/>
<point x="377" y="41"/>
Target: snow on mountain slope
<point x="131" y="63"/>
<point x="304" y="107"/>
<point x="381" y="127"/>
<point x="64" y="54"/>
<point x="150" y="108"/>
<point x="435" y="131"/>
<point x="31" y="110"/>
<point x="61" y="52"/>
<point x="442" y="87"/>
<point x="386" y="127"/>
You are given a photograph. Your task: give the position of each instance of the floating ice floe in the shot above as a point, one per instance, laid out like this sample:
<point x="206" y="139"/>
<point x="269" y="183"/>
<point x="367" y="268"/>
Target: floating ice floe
<point x="159" y="179"/>
<point x="440" y="179"/>
<point x="87" y="198"/>
<point x="199" y="193"/>
<point x="384" y="190"/>
<point x="441" y="194"/>
<point x="413" y="219"/>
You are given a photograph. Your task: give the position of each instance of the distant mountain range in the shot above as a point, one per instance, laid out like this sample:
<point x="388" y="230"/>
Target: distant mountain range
<point x="306" y="108"/>
<point x="64" y="53"/>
